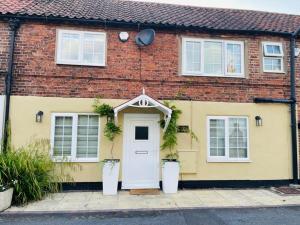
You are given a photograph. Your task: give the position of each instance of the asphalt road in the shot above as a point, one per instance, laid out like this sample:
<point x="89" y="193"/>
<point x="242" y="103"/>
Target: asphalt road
<point x="257" y="216"/>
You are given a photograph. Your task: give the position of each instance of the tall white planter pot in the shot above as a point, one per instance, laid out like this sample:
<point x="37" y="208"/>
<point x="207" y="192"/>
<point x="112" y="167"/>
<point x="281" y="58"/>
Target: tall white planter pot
<point x="170" y="177"/>
<point x="110" y="177"/>
<point x="6" y="198"/>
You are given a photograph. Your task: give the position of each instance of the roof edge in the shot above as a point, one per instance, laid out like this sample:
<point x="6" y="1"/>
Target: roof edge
<point x="116" y="23"/>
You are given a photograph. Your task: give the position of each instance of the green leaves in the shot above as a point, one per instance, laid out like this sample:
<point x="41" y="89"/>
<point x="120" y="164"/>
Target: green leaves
<point x="104" y="110"/>
<point x="111" y="130"/>
<point x="170" y="135"/>
<point x="32" y="169"/>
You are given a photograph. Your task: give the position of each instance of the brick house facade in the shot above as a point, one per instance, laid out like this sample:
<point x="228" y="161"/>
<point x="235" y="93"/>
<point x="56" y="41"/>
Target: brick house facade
<point x="157" y="68"/>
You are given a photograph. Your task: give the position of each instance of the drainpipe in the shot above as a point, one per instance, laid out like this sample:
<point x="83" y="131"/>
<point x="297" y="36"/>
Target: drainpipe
<point x="13" y="27"/>
<point x="293" y="99"/>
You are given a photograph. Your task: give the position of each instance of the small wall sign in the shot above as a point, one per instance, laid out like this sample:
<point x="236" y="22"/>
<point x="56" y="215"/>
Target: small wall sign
<point x="183" y="129"/>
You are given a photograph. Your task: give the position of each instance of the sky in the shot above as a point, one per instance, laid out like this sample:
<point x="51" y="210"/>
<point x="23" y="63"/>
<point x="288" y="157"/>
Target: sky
<point x="282" y="6"/>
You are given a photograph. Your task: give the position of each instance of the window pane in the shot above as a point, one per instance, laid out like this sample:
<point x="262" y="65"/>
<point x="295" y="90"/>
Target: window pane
<point x="93" y="48"/>
<point x="141" y="133"/>
<point x="217" y="137"/>
<point x="272" y="64"/>
<point x="213" y="54"/>
<point x="87" y="136"/>
<point x="83" y="120"/>
<point x="193" y="56"/>
<point x="63" y="136"/>
<point x="93" y="130"/>
<point x="70" y="45"/>
<point x="82" y="130"/>
<point x="238" y="141"/>
<point x="234" y="58"/>
<point x="94" y="120"/>
<point x="273" y="50"/>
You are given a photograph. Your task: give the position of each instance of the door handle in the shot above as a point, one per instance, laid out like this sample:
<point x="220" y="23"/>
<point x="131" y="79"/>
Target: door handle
<point x="141" y="152"/>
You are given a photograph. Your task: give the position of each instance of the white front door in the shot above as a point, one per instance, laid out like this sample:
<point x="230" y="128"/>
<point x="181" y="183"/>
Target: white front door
<point x="141" y="151"/>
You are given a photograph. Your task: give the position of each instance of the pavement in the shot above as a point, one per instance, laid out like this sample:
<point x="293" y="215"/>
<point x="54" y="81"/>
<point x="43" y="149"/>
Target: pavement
<point x="213" y="216"/>
<point x="184" y="199"/>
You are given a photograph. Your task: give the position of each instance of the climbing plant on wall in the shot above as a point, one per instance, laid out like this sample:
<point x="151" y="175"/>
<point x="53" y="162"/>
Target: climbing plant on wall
<point x="111" y="130"/>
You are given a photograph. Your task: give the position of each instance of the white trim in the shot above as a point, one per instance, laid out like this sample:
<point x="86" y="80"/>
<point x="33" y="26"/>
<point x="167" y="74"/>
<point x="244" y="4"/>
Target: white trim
<point x="210" y="160"/>
<point x="242" y="44"/>
<point x="58" y="58"/>
<point x="273" y="71"/>
<point x="184" y="67"/>
<point x="265" y="51"/>
<point x="73" y="157"/>
<point x="279" y="56"/>
<point x="143" y="102"/>
<point x="226" y="158"/>
<point x="126" y="160"/>
<point x="185" y="72"/>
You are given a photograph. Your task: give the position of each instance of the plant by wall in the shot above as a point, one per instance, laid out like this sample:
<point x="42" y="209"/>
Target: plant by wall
<point x="32" y="170"/>
<point x="170" y="135"/>
<point x="111" y="130"/>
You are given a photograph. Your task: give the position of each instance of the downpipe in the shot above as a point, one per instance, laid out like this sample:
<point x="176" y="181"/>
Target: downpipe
<point x="293" y="106"/>
<point x="13" y="27"/>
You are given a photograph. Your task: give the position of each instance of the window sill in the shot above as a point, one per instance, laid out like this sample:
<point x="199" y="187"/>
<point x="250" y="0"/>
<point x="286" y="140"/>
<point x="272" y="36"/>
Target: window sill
<point x="206" y="75"/>
<point x="80" y="64"/>
<point x="70" y="160"/>
<point x="229" y="161"/>
<point x="278" y="72"/>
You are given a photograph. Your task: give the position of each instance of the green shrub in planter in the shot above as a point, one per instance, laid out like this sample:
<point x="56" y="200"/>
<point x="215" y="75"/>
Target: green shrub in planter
<point x="32" y="168"/>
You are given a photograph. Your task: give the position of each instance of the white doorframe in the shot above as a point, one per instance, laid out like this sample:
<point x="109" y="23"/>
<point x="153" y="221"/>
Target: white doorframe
<point x="126" y="162"/>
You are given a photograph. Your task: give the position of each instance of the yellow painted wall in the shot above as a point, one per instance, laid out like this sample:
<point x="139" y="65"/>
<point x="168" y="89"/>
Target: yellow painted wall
<point x="270" y="145"/>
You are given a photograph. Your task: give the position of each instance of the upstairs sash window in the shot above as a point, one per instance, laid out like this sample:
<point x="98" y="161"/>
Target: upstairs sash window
<point x="81" y="48"/>
<point x="212" y="57"/>
<point x="273" y="57"/>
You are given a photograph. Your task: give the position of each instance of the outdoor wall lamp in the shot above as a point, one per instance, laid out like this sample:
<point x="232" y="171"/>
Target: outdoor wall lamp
<point x="39" y="116"/>
<point x="259" y="121"/>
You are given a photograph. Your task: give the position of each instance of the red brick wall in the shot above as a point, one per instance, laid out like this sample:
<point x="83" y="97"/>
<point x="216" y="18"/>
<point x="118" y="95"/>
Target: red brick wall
<point x="37" y="74"/>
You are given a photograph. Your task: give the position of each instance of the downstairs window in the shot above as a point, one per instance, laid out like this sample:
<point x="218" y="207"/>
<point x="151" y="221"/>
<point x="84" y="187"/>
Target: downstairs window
<point x="228" y="139"/>
<point x="75" y="137"/>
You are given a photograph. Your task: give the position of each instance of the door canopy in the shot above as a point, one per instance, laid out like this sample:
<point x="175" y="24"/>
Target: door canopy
<point x="144" y="101"/>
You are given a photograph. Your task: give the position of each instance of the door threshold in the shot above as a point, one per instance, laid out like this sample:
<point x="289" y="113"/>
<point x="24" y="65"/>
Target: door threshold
<point x="144" y="192"/>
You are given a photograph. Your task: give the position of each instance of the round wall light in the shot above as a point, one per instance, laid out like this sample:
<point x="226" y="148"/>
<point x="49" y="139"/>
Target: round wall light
<point x="123" y="36"/>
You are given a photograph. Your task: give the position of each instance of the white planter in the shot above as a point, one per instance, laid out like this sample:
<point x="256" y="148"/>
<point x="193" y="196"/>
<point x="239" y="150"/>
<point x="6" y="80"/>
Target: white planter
<point x="110" y="177"/>
<point x="5" y="199"/>
<point x="170" y="177"/>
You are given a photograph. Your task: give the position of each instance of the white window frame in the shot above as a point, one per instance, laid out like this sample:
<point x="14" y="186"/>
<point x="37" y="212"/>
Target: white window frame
<point x="184" y="63"/>
<point x="73" y="157"/>
<point x="226" y="158"/>
<point x="265" y="55"/>
<point x="185" y="72"/>
<point x="59" y="60"/>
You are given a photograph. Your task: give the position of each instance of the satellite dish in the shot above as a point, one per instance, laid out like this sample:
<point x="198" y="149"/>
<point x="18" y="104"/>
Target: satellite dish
<point x="145" y="37"/>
